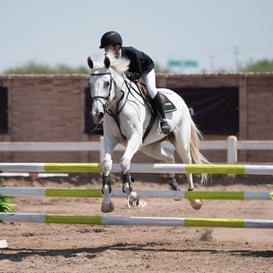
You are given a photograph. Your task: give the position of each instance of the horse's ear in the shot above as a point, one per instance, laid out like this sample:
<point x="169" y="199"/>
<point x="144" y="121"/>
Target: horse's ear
<point x="90" y="62"/>
<point x="107" y="62"/>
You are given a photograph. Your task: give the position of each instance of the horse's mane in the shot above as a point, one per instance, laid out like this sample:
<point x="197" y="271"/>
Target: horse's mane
<point x="120" y="65"/>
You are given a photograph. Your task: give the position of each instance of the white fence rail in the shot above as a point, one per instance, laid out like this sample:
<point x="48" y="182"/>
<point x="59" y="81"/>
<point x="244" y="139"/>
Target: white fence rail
<point x="231" y="145"/>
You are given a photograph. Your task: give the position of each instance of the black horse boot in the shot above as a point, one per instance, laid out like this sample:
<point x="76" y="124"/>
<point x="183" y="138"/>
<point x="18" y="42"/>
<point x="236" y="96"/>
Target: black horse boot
<point x="158" y="106"/>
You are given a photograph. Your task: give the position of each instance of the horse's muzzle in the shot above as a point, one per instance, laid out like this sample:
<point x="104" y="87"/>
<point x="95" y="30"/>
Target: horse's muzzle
<point x="97" y="117"/>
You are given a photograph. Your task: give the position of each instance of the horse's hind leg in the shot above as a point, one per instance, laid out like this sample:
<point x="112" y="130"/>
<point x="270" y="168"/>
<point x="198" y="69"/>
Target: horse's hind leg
<point x="164" y="154"/>
<point x="183" y="149"/>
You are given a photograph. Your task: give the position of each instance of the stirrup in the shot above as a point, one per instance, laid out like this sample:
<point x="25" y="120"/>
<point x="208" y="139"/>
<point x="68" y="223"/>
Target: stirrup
<point x="165" y="127"/>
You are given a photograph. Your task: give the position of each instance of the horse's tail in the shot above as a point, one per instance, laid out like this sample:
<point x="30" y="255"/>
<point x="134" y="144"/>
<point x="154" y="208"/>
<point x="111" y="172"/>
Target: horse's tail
<point x="197" y="157"/>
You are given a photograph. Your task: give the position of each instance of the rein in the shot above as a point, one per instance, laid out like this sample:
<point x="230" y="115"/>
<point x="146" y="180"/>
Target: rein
<point x="131" y="90"/>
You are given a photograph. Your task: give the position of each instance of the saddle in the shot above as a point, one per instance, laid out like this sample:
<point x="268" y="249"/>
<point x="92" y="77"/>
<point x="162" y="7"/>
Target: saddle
<point x="168" y="105"/>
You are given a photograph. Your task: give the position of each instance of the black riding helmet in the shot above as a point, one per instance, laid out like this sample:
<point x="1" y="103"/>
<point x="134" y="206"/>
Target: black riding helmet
<point x="110" y="38"/>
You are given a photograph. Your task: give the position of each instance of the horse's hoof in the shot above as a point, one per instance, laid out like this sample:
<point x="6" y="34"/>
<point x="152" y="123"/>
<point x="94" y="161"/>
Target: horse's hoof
<point x="173" y="185"/>
<point x="196" y="204"/>
<point x="133" y="200"/>
<point x="107" y="207"/>
<point x="127" y="188"/>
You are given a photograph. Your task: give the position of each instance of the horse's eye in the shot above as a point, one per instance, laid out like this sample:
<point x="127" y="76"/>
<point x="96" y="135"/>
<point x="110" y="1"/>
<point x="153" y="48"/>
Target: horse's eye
<point x="106" y="84"/>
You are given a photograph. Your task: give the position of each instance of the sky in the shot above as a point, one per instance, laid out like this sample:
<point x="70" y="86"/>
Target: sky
<point x="217" y="34"/>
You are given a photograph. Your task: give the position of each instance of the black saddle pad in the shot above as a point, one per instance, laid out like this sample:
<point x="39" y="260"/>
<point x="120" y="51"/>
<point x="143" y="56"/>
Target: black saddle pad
<point x="168" y="105"/>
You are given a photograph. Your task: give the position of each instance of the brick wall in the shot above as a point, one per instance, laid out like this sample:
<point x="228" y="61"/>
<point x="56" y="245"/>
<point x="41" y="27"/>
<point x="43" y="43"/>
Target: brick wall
<point x="255" y="107"/>
<point x="51" y="108"/>
<point x="259" y="114"/>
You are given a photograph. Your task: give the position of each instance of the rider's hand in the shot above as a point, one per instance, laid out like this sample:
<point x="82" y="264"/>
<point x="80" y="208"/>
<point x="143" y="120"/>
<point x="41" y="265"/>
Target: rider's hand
<point x="129" y="75"/>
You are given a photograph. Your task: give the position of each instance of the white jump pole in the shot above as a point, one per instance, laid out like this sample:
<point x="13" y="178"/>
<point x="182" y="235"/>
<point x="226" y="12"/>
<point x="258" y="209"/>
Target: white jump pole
<point x="139" y="168"/>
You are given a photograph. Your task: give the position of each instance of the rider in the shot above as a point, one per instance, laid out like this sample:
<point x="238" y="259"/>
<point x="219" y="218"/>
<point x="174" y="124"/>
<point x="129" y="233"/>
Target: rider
<point x="141" y="65"/>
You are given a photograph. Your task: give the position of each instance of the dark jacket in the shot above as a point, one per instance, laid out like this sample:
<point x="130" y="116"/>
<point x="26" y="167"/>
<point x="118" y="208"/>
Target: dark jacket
<point x="140" y="63"/>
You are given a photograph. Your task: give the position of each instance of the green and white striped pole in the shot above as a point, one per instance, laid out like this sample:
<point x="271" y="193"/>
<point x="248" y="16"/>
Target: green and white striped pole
<point x="136" y="221"/>
<point x="96" y="193"/>
<point x="139" y="168"/>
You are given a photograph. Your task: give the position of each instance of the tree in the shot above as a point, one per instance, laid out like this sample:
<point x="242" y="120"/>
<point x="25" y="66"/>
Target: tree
<point x="160" y="69"/>
<point x="260" y="66"/>
<point x="34" y="68"/>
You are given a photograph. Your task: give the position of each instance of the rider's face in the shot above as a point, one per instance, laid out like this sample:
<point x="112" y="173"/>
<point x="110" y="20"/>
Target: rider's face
<point x="109" y="48"/>
<point x="113" y="48"/>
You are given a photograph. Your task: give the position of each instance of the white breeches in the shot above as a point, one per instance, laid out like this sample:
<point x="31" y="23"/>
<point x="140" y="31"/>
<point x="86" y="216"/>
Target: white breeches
<point x="149" y="80"/>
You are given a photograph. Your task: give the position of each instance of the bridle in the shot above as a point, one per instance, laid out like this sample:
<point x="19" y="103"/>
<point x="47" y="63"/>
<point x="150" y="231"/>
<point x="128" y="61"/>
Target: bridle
<point x="105" y="98"/>
<point x="135" y="92"/>
<point x="119" y="103"/>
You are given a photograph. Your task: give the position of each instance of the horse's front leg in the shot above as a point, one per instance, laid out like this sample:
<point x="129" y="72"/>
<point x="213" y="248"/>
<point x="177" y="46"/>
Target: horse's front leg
<point x="133" y="145"/>
<point x="107" y="204"/>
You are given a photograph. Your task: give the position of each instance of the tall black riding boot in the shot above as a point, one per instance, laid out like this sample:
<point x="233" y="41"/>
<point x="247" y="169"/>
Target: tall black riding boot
<point x="158" y="105"/>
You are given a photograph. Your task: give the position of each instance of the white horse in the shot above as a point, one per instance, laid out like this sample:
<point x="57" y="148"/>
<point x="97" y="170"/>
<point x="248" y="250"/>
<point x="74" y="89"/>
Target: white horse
<point x="127" y="119"/>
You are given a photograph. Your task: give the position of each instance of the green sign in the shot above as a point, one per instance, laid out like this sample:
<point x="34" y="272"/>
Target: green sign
<point x="185" y="63"/>
<point x="174" y="63"/>
<point x="190" y="63"/>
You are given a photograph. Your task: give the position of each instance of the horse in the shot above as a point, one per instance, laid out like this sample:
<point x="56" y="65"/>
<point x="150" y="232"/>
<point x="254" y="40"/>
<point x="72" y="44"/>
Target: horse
<point x="128" y="119"/>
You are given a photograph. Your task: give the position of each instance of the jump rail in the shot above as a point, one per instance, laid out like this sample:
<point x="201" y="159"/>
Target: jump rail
<point x="136" y="221"/>
<point x="96" y="193"/>
<point x="139" y="168"/>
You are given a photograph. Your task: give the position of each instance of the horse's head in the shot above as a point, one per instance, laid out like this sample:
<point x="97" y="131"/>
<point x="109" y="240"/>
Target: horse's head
<point x="105" y="79"/>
